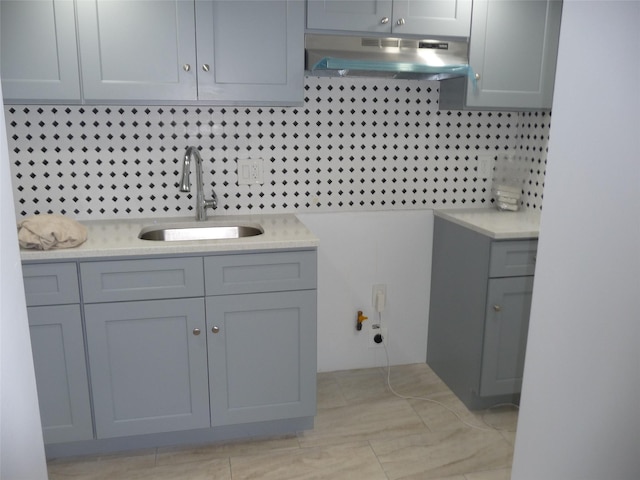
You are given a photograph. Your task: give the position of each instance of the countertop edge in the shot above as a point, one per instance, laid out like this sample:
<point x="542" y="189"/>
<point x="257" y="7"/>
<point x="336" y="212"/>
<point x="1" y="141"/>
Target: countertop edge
<point x="281" y="232"/>
<point x="495" y="224"/>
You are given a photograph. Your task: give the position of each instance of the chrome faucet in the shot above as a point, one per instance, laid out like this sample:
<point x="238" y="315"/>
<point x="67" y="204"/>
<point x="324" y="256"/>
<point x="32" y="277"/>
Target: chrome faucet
<point x="185" y="184"/>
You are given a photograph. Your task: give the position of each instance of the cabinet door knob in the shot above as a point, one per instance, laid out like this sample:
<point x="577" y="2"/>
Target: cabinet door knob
<point x="186" y="67"/>
<point x="477" y="76"/>
<point x="196" y="331"/>
<point x="400" y="21"/>
<point x="384" y="20"/>
<point x="497" y="308"/>
<point x="205" y="67"/>
<point x="215" y="329"/>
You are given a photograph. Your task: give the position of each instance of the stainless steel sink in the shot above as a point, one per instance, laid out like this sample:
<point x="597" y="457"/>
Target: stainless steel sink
<point x="172" y="233"/>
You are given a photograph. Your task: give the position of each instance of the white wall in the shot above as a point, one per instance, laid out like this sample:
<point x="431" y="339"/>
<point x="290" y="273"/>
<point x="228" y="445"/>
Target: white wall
<point x="21" y="444"/>
<point x="580" y="416"/>
<point x="358" y="250"/>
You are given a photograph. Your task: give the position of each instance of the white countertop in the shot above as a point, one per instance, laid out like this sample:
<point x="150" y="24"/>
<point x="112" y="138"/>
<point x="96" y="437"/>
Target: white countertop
<point x="111" y="238"/>
<point x="496" y="224"/>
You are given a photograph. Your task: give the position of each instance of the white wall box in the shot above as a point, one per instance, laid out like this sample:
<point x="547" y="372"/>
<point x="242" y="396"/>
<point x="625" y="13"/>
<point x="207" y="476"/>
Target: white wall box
<point x="512" y="51"/>
<point x="479" y="313"/>
<point x="399" y="17"/>
<point x="38" y="57"/>
<point x="172" y="364"/>
<point x="166" y="52"/>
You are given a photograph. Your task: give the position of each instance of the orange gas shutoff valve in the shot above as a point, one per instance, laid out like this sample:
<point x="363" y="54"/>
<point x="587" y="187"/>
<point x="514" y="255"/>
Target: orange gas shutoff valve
<point x="361" y="318"/>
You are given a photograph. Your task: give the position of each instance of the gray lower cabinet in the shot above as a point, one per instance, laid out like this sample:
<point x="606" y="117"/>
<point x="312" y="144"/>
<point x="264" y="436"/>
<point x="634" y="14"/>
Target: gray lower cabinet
<point x="38" y="56"/>
<point x="57" y="343"/>
<point x="148" y="364"/>
<point x="145" y="322"/>
<point x="505" y="335"/>
<point x="153" y="367"/>
<point x="179" y="349"/>
<point x="262" y="356"/>
<point x="513" y="52"/>
<point x="261" y="328"/>
<point x="479" y="313"/>
<point x="61" y="374"/>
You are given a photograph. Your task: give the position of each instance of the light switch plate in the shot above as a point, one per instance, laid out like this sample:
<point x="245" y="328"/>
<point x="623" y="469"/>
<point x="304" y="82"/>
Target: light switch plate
<point x="485" y="165"/>
<point x="250" y="171"/>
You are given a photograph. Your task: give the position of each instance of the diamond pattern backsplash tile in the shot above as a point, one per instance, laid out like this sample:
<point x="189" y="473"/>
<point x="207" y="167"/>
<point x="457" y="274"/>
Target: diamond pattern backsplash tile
<point x="355" y="144"/>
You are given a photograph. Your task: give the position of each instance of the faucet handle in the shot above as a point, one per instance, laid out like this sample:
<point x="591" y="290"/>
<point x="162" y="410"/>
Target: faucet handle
<point x="212" y="202"/>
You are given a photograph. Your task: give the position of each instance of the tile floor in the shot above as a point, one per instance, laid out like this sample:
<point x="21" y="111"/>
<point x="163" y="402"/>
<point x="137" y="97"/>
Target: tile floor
<point x="362" y="431"/>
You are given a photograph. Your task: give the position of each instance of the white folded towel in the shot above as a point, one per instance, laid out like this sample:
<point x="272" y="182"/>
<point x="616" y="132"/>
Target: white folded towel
<point x="44" y="232"/>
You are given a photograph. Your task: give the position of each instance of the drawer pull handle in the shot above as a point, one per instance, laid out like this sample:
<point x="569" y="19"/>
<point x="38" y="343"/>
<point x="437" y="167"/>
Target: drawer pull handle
<point x="196" y="331"/>
<point x="497" y="308"/>
<point x="215" y="329"/>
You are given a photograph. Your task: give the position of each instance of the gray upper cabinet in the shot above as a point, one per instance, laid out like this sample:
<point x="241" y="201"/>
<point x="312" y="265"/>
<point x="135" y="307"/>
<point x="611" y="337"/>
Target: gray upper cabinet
<point x="358" y="15"/>
<point x="38" y="56"/>
<point x="137" y="50"/>
<point x="153" y="51"/>
<point x="250" y="51"/>
<point x="513" y="52"/>
<point x="219" y="52"/>
<point x="415" y="17"/>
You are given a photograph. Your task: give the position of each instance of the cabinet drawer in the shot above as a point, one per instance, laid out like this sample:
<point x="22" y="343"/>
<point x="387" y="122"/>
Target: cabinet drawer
<point x="513" y="258"/>
<point x="151" y="279"/>
<point x="51" y="284"/>
<point x="260" y="272"/>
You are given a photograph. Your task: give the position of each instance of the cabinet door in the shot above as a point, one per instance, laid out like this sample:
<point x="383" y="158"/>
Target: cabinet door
<point x="432" y="17"/>
<point x="350" y="15"/>
<point x="148" y="365"/>
<point x="262" y="360"/>
<point x="513" y="49"/>
<point x="137" y="50"/>
<point x="61" y="373"/>
<point x="250" y="52"/>
<point x="38" y="53"/>
<point x="505" y="335"/>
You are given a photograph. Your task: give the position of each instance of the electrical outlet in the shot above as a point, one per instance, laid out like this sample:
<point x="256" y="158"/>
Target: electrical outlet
<point x="379" y="297"/>
<point x="250" y="171"/>
<point x="485" y="165"/>
<point x="377" y="330"/>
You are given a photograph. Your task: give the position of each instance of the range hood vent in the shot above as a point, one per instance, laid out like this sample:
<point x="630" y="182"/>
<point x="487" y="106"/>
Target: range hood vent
<point x="342" y="55"/>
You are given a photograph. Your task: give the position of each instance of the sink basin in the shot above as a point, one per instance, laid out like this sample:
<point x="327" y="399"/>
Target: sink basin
<point x="174" y="233"/>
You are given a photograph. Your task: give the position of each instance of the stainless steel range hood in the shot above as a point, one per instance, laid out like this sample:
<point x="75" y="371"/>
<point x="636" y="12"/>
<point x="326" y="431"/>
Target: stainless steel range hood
<point x="341" y="55"/>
